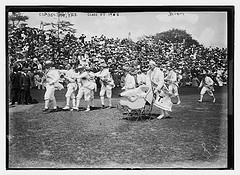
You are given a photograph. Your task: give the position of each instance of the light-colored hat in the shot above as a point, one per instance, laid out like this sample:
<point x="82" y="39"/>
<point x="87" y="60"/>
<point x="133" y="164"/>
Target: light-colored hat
<point x="98" y="55"/>
<point x="126" y="68"/>
<point x="80" y="67"/>
<point x="87" y="68"/>
<point x="48" y="62"/>
<point x="133" y="71"/>
<point x="103" y="65"/>
<point x="95" y="60"/>
<point x="151" y="62"/>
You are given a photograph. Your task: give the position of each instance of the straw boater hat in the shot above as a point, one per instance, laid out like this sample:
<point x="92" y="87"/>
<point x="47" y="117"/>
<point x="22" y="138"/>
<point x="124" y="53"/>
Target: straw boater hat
<point x="104" y="65"/>
<point x="48" y="63"/>
<point x="133" y="71"/>
<point x="126" y="68"/>
<point x="80" y="67"/>
<point x="87" y="68"/>
<point x="35" y="59"/>
<point x="151" y="62"/>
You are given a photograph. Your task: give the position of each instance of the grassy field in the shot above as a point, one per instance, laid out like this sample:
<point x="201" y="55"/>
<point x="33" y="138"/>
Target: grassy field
<point x="195" y="136"/>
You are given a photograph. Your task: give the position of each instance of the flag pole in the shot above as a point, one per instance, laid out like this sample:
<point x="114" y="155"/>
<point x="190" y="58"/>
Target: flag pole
<point x="40" y="25"/>
<point x="58" y="25"/>
<point x="58" y="33"/>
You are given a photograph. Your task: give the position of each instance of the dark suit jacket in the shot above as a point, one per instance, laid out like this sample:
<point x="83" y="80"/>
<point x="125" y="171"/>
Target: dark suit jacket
<point x="14" y="78"/>
<point x="24" y="82"/>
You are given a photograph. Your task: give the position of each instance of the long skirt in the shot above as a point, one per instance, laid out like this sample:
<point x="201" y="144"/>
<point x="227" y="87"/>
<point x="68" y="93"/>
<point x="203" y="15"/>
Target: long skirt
<point x="163" y="101"/>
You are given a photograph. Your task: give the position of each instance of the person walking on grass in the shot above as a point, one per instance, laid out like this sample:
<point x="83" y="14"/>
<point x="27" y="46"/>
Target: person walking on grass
<point x="107" y="84"/>
<point x="207" y="86"/>
<point x="51" y="79"/>
<point x="172" y="81"/>
<point x="93" y="84"/>
<point x="71" y="86"/>
<point x="162" y="100"/>
<point x="85" y="86"/>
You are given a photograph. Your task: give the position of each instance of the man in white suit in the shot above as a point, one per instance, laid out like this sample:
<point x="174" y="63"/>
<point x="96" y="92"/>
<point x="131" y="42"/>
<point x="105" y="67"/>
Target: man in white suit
<point x="172" y="82"/>
<point x="71" y="87"/>
<point x="107" y="84"/>
<point x="155" y="78"/>
<point x="52" y="77"/>
<point x="207" y="85"/>
<point x="93" y="83"/>
<point x="85" y="87"/>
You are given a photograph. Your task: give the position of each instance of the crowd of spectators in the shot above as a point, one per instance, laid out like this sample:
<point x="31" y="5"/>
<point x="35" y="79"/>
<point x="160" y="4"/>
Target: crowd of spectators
<point x="29" y="48"/>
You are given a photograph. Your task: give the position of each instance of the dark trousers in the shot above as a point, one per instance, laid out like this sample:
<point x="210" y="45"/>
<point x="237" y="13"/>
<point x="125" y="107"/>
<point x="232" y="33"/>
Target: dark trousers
<point x="15" y="95"/>
<point x="24" y="96"/>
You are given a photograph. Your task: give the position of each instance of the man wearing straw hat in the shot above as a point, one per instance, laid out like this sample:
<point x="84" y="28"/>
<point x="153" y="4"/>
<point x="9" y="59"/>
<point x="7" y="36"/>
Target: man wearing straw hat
<point x="206" y="85"/>
<point x="92" y="84"/>
<point x="155" y="78"/>
<point x="71" y="86"/>
<point x="106" y="82"/>
<point x="51" y="79"/>
<point x="85" y="86"/>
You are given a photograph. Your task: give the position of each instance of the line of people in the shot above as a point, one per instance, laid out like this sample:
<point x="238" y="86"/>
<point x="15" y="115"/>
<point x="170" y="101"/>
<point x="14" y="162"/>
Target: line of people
<point x="164" y="87"/>
<point x="20" y="85"/>
<point x="81" y="78"/>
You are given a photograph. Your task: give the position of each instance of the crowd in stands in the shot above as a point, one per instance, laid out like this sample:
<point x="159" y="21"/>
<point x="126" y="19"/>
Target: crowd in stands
<point x="29" y="48"/>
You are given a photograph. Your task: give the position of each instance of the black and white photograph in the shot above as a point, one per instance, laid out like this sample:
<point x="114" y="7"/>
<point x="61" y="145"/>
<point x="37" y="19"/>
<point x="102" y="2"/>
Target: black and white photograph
<point x="119" y="87"/>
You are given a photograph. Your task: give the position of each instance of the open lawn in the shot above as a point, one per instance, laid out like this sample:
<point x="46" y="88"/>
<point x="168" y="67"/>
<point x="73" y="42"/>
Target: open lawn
<point x="195" y="136"/>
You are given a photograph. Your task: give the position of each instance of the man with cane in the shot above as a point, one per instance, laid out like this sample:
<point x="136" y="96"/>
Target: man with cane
<point x="155" y="79"/>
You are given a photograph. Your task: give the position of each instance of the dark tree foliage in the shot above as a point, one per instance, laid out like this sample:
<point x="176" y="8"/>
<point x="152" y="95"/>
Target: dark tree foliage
<point x="63" y="26"/>
<point x="67" y="26"/>
<point x="175" y="36"/>
<point x="15" y="18"/>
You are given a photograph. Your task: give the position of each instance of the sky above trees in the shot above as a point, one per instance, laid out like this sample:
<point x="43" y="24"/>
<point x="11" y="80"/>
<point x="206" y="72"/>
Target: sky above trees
<point x="208" y="28"/>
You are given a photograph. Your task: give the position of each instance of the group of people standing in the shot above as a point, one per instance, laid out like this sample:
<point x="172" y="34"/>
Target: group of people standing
<point x="82" y="80"/>
<point x="163" y="87"/>
<point x="20" y="85"/>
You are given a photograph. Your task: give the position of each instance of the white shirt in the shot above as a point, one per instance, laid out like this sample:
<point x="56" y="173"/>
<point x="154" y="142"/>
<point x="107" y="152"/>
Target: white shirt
<point x="172" y="77"/>
<point x="207" y="81"/>
<point x="105" y="76"/>
<point x="129" y="82"/>
<point x="141" y="78"/>
<point x="83" y="78"/>
<point x="52" y="76"/>
<point x="155" y="77"/>
<point x="70" y="74"/>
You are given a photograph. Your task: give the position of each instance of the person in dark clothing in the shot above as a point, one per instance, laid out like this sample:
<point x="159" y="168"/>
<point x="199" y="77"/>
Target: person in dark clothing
<point x="31" y="76"/>
<point x="24" y="82"/>
<point x="15" y="86"/>
<point x="82" y="38"/>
